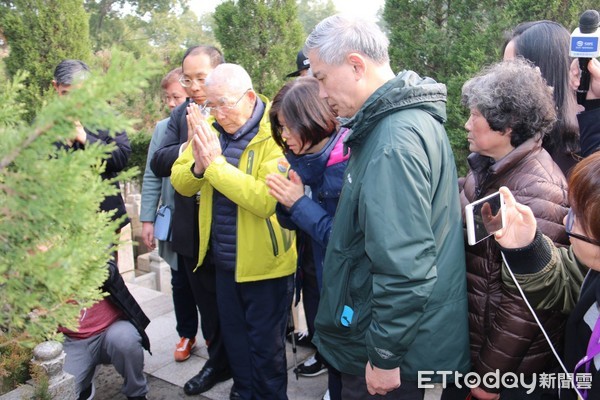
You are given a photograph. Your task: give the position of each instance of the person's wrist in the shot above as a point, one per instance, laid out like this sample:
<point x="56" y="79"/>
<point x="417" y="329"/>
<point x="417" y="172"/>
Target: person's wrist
<point x="219" y="160"/>
<point x="197" y="172"/>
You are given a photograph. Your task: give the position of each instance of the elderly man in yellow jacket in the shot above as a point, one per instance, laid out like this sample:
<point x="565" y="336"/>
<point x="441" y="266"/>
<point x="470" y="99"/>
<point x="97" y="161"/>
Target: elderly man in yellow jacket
<point x="225" y="165"/>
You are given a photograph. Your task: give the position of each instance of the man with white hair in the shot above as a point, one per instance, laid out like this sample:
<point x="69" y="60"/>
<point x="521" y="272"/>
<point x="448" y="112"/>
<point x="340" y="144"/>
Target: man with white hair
<point x="197" y="63"/>
<point x="394" y="299"/>
<point x="254" y="258"/>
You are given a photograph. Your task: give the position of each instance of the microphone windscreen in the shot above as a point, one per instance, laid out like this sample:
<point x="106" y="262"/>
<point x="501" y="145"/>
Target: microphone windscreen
<point x="589" y="20"/>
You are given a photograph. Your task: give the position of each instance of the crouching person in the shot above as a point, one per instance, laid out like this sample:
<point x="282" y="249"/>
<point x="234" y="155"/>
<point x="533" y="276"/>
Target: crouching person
<point x="110" y="332"/>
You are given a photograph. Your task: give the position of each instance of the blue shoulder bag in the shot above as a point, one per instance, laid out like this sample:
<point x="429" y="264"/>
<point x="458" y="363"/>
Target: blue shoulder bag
<point x="162" y="223"/>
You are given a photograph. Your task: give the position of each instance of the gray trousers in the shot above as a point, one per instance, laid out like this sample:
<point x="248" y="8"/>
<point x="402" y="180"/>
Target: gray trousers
<point x="119" y="345"/>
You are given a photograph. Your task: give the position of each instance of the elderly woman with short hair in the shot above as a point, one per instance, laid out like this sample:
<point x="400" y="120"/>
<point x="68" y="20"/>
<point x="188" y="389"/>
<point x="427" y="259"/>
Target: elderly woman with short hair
<point x="511" y="109"/>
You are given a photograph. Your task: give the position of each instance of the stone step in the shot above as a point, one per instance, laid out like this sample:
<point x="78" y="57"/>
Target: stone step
<point x="145" y="279"/>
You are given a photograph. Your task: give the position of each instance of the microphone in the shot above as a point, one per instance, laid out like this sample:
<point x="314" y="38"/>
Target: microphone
<point x="584" y="45"/>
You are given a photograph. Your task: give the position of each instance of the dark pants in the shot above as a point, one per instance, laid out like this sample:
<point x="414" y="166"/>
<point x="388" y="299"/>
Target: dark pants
<point x="355" y="388"/>
<point x="310" y="300"/>
<point x="310" y="292"/>
<point x="334" y="383"/>
<point x="186" y="313"/>
<point x="253" y="319"/>
<point x="453" y="393"/>
<point x="203" y="285"/>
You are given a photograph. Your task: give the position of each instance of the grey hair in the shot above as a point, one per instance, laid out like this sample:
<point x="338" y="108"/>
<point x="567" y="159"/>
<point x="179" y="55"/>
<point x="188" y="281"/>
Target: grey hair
<point x="338" y="35"/>
<point x="512" y="94"/>
<point x="232" y="77"/>
<point x="70" y="70"/>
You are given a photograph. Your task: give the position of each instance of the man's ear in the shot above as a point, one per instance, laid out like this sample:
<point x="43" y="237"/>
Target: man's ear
<point x="358" y="64"/>
<point x="252" y="96"/>
<point x="55" y="85"/>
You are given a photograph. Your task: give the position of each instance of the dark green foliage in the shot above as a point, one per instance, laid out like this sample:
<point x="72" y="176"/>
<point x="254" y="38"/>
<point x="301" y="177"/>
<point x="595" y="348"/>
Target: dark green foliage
<point x="108" y="23"/>
<point x="263" y="37"/>
<point x="311" y="12"/>
<point x="140" y="141"/>
<point x="159" y="29"/>
<point x="452" y="40"/>
<point x="41" y="33"/>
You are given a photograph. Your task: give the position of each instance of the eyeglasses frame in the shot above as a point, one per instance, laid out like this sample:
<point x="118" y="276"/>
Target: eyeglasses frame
<point x="198" y="81"/>
<point x="224" y="108"/>
<point x="569" y="226"/>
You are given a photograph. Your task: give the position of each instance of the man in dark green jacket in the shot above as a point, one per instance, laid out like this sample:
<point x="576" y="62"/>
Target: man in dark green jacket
<point x="394" y="300"/>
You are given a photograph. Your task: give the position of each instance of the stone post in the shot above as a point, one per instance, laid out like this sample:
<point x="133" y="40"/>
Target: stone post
<point x="162" y="271"/>
<point x="50" y="357"/>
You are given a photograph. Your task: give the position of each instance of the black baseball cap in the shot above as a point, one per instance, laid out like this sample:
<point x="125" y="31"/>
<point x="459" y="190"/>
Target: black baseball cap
<point x="302" y="63"/>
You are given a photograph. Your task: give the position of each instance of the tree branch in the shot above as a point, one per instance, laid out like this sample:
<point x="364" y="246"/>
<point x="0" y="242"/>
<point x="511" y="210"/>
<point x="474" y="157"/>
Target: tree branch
<point x="6" y="161"/>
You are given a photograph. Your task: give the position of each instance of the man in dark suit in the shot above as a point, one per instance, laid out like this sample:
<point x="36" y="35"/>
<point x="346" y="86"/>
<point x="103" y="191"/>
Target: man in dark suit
<point x="198" y="62"/>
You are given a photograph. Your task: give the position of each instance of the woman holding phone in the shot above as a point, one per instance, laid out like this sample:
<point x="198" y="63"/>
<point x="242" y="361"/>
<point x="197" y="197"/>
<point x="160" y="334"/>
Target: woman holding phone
<point x="553" y="277"/>
<point x="511" y="109"/>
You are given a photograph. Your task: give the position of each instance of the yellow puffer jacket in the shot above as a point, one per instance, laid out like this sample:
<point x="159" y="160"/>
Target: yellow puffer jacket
<point x="265" y="250"/>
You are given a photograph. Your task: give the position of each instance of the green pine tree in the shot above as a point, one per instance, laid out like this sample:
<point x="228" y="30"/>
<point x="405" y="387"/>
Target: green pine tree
<point x="41" y="33"/>
<point x="452" y="40"/>
<point x="54" y="244"/>
<point x="262" y="36"/>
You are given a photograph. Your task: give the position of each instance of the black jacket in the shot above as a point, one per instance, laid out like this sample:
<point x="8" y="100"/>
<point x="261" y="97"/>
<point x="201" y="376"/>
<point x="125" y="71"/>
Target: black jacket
<point x="589" y="131"/>
<point x="185" y="228"/>
<point x="122" y="298"/>
<point x="114" y="164"/>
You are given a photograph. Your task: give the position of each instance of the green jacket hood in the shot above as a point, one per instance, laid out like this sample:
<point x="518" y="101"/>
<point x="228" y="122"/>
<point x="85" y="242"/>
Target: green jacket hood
<point x="406" y="90"/>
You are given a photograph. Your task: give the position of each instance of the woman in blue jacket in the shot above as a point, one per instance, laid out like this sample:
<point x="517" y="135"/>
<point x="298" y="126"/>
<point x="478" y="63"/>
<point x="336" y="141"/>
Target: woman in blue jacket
<point x="307" y="130"/>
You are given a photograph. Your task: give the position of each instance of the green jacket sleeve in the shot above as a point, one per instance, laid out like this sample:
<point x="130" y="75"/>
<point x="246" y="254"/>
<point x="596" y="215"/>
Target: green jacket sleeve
<point x="550" y="277"/>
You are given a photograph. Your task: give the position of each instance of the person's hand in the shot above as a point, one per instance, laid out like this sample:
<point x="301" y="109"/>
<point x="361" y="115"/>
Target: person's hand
<point x="481" y="394"/>
<point x="490" y="221"/>
<point x="594" y="68"/>
<point x="381" y="381"/>
<point x="193" y="117"/>
<point x="520" y="223"/>
<point x="80" y="135"/>
<point x="205" y="147"/>
<point x="285" y="191"/>
<point x="148" y="235"/>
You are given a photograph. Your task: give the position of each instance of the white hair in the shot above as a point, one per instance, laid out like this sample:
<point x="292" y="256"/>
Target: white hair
<point x="338" y="35"/>
<point x="233" y="78"/>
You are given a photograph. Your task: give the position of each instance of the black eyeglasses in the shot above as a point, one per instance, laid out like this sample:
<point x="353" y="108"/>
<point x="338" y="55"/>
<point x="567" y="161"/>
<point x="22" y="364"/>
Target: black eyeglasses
<point x="569" y="227"/>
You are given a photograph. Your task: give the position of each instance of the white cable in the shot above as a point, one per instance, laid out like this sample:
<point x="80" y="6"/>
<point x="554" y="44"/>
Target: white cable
<point x="572" y="376"/>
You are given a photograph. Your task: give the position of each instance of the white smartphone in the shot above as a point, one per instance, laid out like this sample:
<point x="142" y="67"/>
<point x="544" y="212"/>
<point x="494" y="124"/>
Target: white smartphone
<point x="484" y="217"/>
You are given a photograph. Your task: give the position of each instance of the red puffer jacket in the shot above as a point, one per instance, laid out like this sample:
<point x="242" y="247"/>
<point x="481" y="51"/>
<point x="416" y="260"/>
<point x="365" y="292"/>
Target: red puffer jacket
<point x="503" y="333"/>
